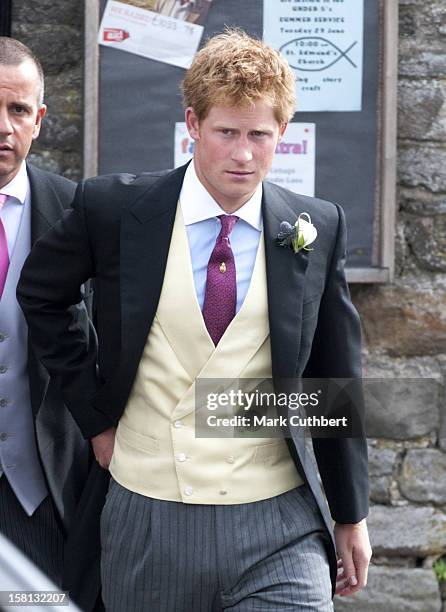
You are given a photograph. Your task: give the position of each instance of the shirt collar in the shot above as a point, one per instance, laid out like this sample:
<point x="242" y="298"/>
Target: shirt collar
<point x="197" y="204"/>
<point x="18" y="187"/>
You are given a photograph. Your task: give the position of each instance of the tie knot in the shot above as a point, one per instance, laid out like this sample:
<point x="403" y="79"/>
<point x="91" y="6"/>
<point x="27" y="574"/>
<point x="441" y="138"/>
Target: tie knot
<point x="3" y="198"/>
<point x="227" y="224"/>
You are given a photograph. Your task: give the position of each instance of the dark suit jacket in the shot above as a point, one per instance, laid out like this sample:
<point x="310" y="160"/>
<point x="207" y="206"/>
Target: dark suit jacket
<point x="119" y="232"/>
<point x="65" y="455"/>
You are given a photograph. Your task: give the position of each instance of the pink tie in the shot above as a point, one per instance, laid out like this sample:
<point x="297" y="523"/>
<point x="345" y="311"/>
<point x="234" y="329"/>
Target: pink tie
<point x="220" y="297"/>
<point x="4" y="257"/>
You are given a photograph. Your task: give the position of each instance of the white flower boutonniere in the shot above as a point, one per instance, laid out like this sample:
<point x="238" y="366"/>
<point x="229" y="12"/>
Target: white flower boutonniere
<point x="298" y="236"/>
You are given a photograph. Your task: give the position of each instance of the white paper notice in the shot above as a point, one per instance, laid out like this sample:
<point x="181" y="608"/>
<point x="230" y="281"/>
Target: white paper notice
<point x="294" y="162"/>
<point x="150" y="34"/>
<point x="323" y="42"/>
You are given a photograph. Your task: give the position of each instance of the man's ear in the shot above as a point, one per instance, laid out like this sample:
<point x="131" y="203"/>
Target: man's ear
<point x="192" y="123"/>
<point x="40" y="115"/>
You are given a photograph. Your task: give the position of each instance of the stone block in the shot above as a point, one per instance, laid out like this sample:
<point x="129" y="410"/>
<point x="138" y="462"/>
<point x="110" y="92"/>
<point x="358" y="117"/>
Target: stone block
<point x="51" y="161"/>
<point x="442" y="433"/>
<point x="394" y="590"/>
<point x="422" y="64"/>
<point x="381" y="461"/>
<point x="426" y="237"/>
<point x="381" y="465"/>
<point x="407" y="530"/>
<point x="57" y="133"/>
<point x="379" y="365"/>
<point x="401" y="408"/>
<point x="422" y="166"/>
<point x="404" y="319"/>
<point x="423" y="476"/>
<point x="380" y="489"/>
<point x="420" y="202"/>
<point x="63" y="123"/>
<point x="48" y="12"/>
<point x="421" y="45"/>
<point x="66" y="164"/>
<point x="65" y="42"/>
<point x="422" y="109"/>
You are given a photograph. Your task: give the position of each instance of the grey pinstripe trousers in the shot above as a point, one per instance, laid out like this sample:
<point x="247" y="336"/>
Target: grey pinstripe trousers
<point x="38" y="536"/>
<point x="161" y="556"/>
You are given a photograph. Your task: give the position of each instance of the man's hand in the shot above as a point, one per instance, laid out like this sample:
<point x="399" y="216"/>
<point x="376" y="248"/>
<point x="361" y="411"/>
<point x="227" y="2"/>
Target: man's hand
<point x="103" y="445"/>
<point x="353" y="548"/>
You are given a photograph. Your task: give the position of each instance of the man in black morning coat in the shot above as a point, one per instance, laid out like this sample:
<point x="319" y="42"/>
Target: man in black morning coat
<point x="159" y="249"/>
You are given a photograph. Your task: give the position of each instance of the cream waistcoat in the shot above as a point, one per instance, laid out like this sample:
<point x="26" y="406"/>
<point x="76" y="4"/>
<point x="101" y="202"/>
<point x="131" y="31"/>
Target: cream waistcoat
<point x="156" y="452"/>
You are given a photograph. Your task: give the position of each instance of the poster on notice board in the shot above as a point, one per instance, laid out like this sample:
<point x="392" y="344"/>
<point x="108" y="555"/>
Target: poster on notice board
<point x="164" y="30"/>
<point x="323" y="43"/>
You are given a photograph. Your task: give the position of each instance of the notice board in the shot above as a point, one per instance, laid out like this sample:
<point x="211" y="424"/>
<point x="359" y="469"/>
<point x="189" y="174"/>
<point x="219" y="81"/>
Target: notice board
<point x="133" y="103"/>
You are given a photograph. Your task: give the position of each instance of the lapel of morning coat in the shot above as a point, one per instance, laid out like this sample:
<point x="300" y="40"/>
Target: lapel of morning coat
<point x="285" y="272"/>
<point x="146" y="229"/>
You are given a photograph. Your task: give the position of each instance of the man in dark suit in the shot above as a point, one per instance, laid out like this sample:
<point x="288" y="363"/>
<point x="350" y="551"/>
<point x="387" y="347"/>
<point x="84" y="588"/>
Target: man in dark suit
<point x="192" y="283"/>
<point x="44" y="460"/>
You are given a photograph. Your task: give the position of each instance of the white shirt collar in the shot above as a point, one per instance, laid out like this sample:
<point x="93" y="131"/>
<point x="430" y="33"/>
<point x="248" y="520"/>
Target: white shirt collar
<point x="197" y="204"/>
<point x="18" y="187"/>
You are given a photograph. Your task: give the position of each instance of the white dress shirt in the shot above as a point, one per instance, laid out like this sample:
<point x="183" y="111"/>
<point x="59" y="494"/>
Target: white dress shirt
<point x="11" y="214"/>
<point x="200" y="212"/>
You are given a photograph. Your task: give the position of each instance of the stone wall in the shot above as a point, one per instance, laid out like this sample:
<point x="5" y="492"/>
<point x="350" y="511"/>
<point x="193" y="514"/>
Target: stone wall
<point x="53" y="30"/>
<point x="405" y="331"/>
<point x="404" y="323"/>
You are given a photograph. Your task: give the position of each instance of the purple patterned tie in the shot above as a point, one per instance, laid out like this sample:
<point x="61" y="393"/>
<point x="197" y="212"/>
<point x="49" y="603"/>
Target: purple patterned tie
<point x="221" y="287"/>
<point x="4" y="257"/>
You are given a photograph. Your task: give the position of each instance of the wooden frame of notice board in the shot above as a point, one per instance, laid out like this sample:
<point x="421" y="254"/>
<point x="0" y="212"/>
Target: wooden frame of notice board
<point x="382" y="268"/>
